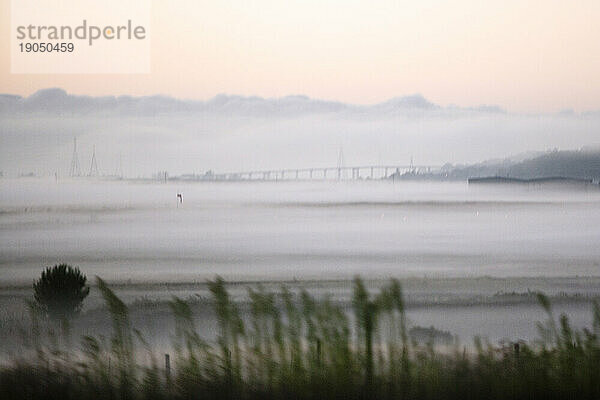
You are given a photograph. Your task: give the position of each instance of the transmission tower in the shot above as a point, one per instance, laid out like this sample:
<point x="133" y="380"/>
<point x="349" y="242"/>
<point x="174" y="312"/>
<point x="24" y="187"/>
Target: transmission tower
<point x="93" y="165"/>
<point x="75" y="168"/>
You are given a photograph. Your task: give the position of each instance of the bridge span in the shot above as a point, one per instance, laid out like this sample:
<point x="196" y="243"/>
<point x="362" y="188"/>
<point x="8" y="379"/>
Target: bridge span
<point x="322" y="173"/>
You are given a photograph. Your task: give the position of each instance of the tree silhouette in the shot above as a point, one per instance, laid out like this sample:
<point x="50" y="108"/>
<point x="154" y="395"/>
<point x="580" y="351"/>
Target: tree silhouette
<point x="60" y="291"/>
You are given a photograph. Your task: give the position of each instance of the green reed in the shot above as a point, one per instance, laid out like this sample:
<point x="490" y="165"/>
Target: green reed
<point x="292" y="345"/>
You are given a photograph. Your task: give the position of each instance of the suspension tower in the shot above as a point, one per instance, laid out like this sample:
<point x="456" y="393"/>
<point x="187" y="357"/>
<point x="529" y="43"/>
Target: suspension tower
<point x="340" y="163"/>
<point x="75" y="168"/>
<point x="93" y="165"/>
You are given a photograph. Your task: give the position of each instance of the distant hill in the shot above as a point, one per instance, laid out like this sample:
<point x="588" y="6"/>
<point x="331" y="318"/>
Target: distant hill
<point x="575" y="164"/>
<point x="580" y="164"/>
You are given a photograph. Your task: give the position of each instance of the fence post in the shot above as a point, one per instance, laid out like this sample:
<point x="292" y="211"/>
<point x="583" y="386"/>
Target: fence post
<point x="319" y="352"/>
<point x="168" y="367"/>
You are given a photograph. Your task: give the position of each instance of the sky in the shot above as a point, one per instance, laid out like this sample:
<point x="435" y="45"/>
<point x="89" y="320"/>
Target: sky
<point x="524" y="56"/>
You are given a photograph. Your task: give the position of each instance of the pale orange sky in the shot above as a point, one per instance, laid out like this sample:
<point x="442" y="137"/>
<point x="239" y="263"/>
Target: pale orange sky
<point x="526" y="56"/>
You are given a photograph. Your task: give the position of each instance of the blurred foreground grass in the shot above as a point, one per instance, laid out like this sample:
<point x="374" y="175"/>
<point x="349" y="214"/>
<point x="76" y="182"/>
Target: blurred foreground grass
<point x="299" y="347"/>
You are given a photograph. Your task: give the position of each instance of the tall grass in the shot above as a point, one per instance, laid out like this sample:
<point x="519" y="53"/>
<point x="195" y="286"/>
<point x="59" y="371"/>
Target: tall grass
<point x="296" y="346"/>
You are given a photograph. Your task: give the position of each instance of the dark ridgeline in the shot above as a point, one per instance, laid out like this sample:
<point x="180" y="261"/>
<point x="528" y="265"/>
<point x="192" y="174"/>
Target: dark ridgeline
<point x="566" y="166"/>
<point x="578" y="167"/>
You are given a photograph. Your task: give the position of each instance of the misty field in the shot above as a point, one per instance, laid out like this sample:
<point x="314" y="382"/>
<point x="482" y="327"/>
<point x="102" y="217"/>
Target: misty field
<point x="471" y="262"/>
<point x="263" y="231"/>
<point x="294" y="345"/>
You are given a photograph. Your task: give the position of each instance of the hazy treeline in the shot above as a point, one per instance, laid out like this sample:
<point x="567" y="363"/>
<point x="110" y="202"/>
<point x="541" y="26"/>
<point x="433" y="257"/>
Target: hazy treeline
<point x="581" y="164"/>
<point x="297" y="346"/>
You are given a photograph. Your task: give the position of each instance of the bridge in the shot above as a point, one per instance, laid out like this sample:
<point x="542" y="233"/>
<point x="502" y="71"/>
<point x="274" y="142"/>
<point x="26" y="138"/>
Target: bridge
<point x="320" y="173"/>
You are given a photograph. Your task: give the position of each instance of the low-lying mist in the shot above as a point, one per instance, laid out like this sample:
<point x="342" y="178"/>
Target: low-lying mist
<point x="230" y="133"/>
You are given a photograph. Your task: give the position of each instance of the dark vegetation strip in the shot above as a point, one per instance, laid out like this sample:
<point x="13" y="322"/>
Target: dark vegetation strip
<point x="299" y="347"/>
